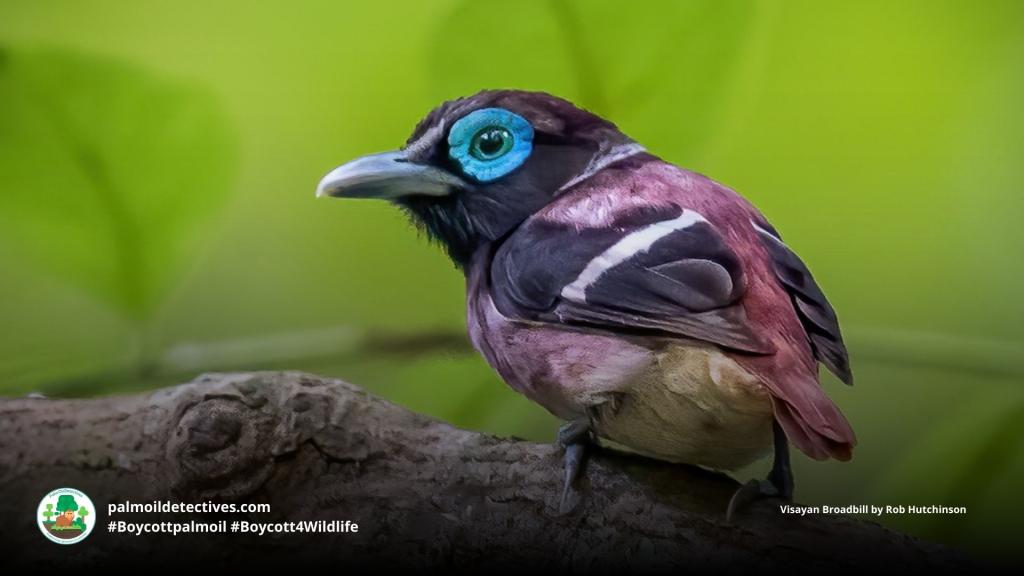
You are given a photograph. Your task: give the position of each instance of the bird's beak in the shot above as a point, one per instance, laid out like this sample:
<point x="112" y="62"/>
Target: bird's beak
<point x="387" y="176"/>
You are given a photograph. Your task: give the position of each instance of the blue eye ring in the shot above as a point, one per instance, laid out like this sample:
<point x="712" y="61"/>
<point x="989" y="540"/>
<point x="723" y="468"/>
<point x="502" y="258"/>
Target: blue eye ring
<point x="490" y="143"/>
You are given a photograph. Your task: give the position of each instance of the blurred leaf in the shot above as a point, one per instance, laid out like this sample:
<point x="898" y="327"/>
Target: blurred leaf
<point x="628" y="65"/>
<point x="107" y="171"/>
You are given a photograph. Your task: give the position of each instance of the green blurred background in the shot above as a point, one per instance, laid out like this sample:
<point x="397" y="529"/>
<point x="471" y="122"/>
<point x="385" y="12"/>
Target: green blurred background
<point x="157" y="218"/>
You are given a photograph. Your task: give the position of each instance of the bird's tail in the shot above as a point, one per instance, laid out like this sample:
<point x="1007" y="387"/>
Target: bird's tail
<point x="813" y="423"/>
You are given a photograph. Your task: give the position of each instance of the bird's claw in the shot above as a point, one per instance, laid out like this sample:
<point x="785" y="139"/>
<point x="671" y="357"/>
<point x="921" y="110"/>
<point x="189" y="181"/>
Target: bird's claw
<point x="574" y="454"/>
<point x="750" y="493"/>
<point x="779" y="483"/>
<point x="574" y="437"/>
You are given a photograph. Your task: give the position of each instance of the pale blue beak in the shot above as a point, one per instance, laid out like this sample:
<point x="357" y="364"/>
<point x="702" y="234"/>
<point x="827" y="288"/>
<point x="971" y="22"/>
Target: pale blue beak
<point x="388" y="176"/>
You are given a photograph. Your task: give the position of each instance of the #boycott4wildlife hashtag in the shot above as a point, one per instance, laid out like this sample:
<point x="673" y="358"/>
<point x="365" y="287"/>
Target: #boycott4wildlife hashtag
<point x="236" y="526"/>
<point x="219" y="526"/>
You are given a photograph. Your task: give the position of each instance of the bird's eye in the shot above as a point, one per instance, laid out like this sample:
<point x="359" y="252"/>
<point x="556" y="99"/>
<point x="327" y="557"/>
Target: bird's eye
<point x="490" y="143"/>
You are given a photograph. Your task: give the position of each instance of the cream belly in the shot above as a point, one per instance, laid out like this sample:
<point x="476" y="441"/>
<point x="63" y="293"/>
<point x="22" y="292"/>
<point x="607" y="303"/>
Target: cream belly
<point x="693" y="404"/>
<point x="680" y="402"/>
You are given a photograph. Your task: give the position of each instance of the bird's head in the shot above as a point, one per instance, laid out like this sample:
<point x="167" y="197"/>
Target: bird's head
<point x="476" y="167"/>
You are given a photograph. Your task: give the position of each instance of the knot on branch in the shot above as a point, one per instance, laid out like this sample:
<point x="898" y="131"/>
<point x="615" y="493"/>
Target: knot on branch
<point x="220" y="450"/>
<point x="230" y="431"/>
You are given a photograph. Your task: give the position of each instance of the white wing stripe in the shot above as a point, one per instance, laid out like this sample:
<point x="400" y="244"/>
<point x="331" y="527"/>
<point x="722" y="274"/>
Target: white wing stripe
<point x="630" y="245"/>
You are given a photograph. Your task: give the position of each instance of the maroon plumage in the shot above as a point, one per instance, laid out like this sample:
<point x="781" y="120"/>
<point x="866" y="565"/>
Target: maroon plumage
<point x="649" y="303"/>
<point x="772" y="341"/>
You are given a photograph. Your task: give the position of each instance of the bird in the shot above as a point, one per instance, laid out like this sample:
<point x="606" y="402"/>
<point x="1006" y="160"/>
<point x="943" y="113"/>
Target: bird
<point x="649" y="307"/>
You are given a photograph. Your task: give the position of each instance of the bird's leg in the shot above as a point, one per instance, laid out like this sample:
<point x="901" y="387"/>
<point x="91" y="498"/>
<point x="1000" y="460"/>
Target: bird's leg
<point x="779" y="483"/>
<point x="574" y="437"/>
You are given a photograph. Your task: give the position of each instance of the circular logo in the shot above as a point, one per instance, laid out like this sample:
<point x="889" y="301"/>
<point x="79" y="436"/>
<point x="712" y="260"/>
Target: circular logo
<point x="66" y="516"/>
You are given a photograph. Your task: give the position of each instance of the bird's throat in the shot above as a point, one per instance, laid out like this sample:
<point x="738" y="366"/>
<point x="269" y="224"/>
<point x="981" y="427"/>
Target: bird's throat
<point x="447" y="222"/>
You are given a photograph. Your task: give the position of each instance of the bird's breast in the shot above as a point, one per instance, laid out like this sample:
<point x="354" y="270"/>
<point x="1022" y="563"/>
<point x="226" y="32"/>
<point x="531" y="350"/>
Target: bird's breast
<point x="674" y="400"/>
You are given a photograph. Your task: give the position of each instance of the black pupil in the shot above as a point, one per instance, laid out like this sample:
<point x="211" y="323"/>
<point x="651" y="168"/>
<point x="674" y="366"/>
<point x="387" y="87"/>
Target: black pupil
<point x="491" y="141"/>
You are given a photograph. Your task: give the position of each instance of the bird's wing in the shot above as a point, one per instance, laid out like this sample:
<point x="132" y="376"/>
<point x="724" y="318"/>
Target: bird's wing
<point x="815" y="313"/>
<point x="649" y="268"/>
<point x="626" y="256"/>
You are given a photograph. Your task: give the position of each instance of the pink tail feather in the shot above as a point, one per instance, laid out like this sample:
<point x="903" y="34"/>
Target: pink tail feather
<point x="814" y="424"/>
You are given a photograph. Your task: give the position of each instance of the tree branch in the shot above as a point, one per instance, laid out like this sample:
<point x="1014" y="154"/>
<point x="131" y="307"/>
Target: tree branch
<point x="422" y="492"/>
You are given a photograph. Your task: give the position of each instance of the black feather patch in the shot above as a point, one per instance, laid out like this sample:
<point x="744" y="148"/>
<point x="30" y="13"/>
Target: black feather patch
<point x="685" y="283"/>
<point x="538" y="260"/>
<point x="692" y="268"/>
<point x="813" y="309"/>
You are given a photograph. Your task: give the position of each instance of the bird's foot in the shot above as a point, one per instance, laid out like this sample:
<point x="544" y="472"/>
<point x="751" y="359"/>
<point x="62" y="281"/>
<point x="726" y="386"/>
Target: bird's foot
<point x="757" y="490"/>
<point x="779" y="483"/>
<point x="575" y="438"/>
